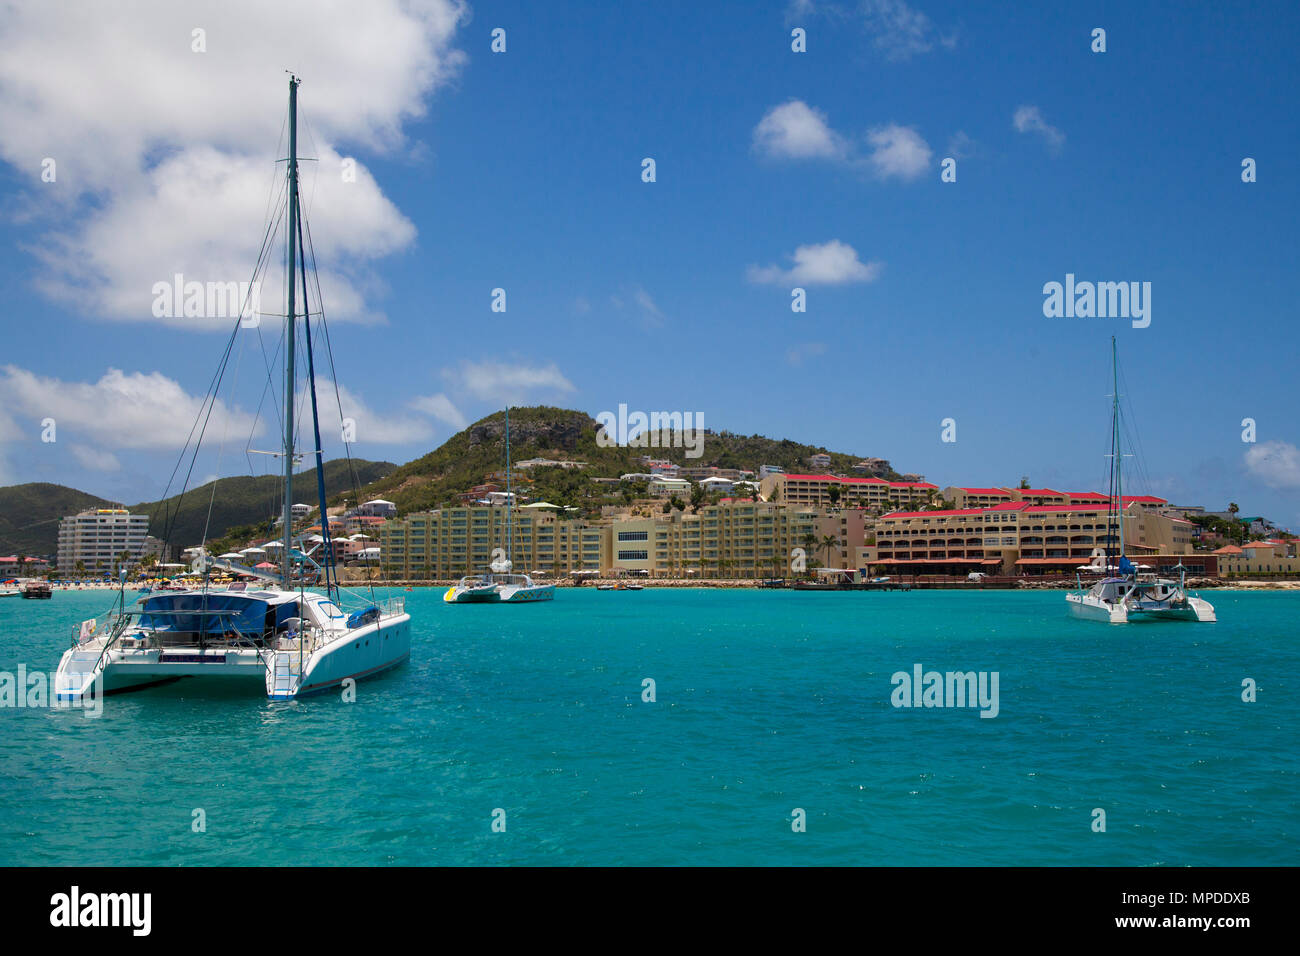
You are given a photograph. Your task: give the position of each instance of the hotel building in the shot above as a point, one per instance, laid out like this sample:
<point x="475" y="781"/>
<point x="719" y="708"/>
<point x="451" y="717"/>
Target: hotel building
<point x="742" y="537"/>
<point x="1016" y="537"/>
<point x="452" y="542"/>
<point x="874" y="494"/>
<point x="97" y="537"/>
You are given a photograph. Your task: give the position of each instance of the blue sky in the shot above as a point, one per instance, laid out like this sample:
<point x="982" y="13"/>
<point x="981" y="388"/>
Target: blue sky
<point x="522" y="170"/>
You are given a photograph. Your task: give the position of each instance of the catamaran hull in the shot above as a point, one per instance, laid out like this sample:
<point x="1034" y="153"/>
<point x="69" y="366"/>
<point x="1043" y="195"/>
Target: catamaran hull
<point x="1196" y="609"/>
<point x="502" y="594"/>
<point x="1086" y="609"/>
<point x="511" y="595"/>
<point x="1090" y="610"/>
<point x="365" y="652"/>
<point x="476" y="596"/>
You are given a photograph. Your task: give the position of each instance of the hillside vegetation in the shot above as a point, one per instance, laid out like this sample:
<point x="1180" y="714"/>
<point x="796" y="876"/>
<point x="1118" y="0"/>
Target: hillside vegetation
<point x="436" y="479"/>
<point x="30" y="513"/>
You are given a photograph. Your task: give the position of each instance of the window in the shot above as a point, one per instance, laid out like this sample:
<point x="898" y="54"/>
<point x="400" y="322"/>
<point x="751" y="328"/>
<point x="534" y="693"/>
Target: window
<point x="633" y="536"/>
<point x="633" y="555"/>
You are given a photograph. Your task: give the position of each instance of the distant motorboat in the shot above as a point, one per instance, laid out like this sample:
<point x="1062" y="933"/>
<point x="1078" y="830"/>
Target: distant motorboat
<point x="37" y="590"/>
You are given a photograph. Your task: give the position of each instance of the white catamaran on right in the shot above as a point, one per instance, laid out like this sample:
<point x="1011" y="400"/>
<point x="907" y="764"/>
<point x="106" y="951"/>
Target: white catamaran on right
<point x="1125" y="594"/>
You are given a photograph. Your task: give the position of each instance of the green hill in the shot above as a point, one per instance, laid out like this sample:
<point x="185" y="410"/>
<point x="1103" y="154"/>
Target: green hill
<point x="30" y="513"/>
<point x="246" y="500"/>
<point x="436" y="479"/>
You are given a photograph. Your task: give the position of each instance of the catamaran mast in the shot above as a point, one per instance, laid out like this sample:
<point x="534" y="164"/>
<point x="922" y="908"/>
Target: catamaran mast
<point x="1119" y="452"/>
<point x="510" y="498"/>
<point x="287" y="559"/>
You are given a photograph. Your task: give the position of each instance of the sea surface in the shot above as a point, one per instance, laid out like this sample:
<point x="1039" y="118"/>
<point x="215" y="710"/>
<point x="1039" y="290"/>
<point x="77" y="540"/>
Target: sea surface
<point x="766" y="702"/>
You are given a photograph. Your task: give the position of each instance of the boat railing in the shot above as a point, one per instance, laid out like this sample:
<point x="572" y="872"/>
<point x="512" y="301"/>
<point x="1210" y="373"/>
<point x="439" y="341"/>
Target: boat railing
<point x="392" y="607"/>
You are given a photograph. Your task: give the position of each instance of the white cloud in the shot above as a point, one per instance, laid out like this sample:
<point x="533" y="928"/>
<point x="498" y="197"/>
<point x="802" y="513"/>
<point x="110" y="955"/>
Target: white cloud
<point x="165" y="157"/>
<point x="900" y="32"/>
<point x="372" y="428"/>
<point x="648" y="313"/>
<point x="1029" y="119"/>
<point x="961" y="146"/>
<point x="441" y="408"/>
<point x="898" y="151"/>
<point x="830" y="263"/>
<point x="795" y="130"/>
<point x="95" y="459"/>
<point x="121" y="410"/>
<point x="501" y="382"/>
<point x="1276" y="463"/>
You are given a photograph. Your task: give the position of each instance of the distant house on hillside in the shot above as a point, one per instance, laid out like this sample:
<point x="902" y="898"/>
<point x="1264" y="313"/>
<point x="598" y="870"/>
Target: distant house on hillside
<point x="872" y="466"/>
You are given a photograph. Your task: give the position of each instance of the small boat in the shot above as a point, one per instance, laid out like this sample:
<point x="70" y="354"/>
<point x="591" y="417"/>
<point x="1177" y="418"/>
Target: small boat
<point x="1125" y="594"/>
<point x="498" y="585"/>
<point x="38" y="591"/>
<point x="634" y="587"/>
<point x="9" y="592"/>
<point x="606" y="587"/>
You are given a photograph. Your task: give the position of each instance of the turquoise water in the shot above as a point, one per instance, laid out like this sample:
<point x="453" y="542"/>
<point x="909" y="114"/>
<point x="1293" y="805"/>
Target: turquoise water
<point x="766" y="701"/>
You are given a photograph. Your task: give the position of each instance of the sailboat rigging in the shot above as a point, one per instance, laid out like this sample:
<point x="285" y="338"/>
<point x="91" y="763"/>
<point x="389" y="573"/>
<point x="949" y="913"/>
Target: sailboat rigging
<point x="1126" y="593"/>
<point x="498" y="585"/>
<point x="292" y="640"/>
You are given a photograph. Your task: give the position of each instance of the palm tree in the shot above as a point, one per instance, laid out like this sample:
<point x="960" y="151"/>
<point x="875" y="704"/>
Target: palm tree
<point x="834" y="494"/>
<point x="828" y="545"/>
<point x="809" y="547"/>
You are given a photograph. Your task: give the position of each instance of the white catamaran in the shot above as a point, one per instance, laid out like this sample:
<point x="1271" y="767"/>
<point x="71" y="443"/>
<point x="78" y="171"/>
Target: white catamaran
<point x="1126" y="594"/>
<point x="290" y="640"/>
<point x="498" y="585"/>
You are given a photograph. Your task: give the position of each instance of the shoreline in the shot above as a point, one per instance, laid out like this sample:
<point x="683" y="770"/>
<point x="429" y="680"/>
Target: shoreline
<point x="732" y="583"/>
<point x="750" y="584"/>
